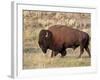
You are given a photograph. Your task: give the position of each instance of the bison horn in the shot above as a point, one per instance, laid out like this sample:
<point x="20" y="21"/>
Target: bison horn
<point x="46" y="34"/>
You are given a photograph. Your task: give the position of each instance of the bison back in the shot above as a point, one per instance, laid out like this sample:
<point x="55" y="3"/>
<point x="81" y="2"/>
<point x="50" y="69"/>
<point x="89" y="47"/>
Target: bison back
<point x="63" y="34"/>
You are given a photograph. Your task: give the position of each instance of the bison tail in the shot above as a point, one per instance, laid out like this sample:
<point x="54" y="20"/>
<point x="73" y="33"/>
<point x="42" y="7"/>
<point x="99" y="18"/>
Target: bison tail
<point x="88" y="41"/>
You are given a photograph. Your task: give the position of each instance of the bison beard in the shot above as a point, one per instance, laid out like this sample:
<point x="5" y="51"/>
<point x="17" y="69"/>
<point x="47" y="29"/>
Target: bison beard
<point x="60" y="37"/>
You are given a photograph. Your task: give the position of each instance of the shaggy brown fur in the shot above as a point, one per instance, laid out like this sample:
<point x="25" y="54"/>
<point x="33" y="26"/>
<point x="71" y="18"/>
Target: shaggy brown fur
<point x="60" y="37"/>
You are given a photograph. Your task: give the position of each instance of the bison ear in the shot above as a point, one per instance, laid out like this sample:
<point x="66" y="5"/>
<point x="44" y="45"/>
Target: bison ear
<point x="46" y="34"/>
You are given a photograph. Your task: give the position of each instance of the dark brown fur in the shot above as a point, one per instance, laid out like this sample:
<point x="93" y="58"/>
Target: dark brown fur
<point x="60" y="37"/>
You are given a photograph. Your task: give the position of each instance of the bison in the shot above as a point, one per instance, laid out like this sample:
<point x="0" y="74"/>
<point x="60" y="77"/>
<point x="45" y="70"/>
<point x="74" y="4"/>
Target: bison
<point x="60" y="37"/>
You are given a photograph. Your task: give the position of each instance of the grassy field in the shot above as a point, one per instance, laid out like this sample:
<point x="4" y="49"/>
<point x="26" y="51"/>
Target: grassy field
<point x="34" y="21"/>
<point x="40" y="60"/>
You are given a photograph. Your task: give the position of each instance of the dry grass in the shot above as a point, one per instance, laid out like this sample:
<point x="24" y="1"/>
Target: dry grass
<point x="39" y="60"/>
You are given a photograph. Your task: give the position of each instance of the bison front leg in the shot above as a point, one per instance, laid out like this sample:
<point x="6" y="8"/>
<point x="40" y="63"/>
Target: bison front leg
<point x="63" y="53"/>
<point x="53" y="53"/>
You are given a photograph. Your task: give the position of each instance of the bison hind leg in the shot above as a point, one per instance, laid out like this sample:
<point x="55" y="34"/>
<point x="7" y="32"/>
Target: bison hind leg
<point x="88" y="51"/>
<point x="81" y="50"/>
<point x="75" y="46"/>
<point x="87" y="48"/>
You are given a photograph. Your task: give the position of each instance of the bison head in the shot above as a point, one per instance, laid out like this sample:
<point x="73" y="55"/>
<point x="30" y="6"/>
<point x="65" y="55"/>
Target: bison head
<point x="45" y="39"/>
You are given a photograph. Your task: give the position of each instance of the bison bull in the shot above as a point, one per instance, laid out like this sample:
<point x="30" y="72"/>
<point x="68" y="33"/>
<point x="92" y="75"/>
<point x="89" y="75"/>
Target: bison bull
<point x="60" y="37"/>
